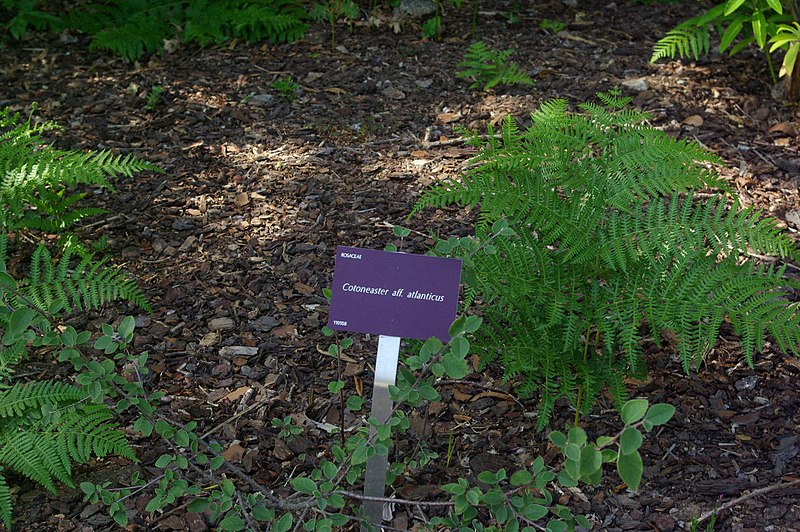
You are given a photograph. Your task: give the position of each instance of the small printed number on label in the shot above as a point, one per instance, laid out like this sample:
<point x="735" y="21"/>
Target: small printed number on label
<point x="340" y="323"/>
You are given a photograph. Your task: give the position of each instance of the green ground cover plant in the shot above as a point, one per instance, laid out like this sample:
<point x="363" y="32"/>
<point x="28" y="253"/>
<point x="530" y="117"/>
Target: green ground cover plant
<point x="605" y="244"/>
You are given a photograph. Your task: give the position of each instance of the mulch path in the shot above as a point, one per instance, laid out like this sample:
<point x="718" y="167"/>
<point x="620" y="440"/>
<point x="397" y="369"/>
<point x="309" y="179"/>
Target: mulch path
<point x="234" y="242"/>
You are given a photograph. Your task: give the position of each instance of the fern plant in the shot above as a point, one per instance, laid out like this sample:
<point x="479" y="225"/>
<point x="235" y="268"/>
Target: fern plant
<point x="134" y="28"/>
<point x="489" y="68"/>
<point x="19" y="15"/>
<point x="611" y="247"/>
<point x="36" y="183"/>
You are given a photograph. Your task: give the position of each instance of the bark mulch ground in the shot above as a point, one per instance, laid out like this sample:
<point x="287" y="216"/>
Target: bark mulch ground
<point x="233" y="244"/>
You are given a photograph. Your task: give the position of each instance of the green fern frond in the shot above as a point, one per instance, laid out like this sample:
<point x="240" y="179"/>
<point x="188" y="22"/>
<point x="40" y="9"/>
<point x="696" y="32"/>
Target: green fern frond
<point x="5" y="502"/>
<point x="136" y="28"/>
<point x="35" y="179"/>
<point x="87" y="433"/>
<point x="86" y="285"/>
<point x="690" y="38"/>
<point x="684" y="41"/>
<point x="20" y="397"/>
<point x="47" y="425"/>
<point x="490" y="68"/>
<point x="35" y="456"/>
<point x="132" y="40"/>
<point x="10" y="357"/>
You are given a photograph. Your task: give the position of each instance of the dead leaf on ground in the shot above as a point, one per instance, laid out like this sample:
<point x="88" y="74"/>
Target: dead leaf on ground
<point x="237" y="393"/>
<point x="693" y="120"/>
<point x="285" y="330"/>
<point x="241" y="199"/>
<point x="446" y="118"/>
<point x="783" y="127"/>
<point x="234" y="453"/>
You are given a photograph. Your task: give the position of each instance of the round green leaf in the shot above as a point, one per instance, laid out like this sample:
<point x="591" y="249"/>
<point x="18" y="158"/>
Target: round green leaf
<point x="304" y="485"/>
<point x="231" y="522"/>
<point x="534" y="512"/>
<point x="20" y="320"/>
<point x="566" y="480"/>
<point x="630" y="441"/>
<point x="573" y="467"/>
<point x="634" y="410"/>
<point x="629" y="467"/>
<point x="7" y="282"/>
<point x="198" y="506"/>
<point x="487" y="477"/>
<point x="558" y="438"/>
<point x="355" y="403"/>
<point x="521" y="478"/>
<point x="143" y="426"/>
<point x="284" y="524"/>
<point x="591" y="460"/>
<point x="573" y="452"/>
<point x="460" y="346"/>
<point x="660" y="413"/>
<point x="335" y="386"/>
<point x="456" y="368"/>
<point x="127" y="326"/>
<point x="493" y="498"/>
<point x="577" y="436"/>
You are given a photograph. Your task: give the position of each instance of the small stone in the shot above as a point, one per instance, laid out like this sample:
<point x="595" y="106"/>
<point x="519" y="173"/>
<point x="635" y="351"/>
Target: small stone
<point x="221" y="324"/>
<point x="260" y="100"/>
<point x="417" y="8"/>
<point x="241" y="199"/>
<point x="264" y="323"/>
<point x="238" y="350"/>
<point x="638" y="85"/>
<point x="393" y="93"/>
<point x="188" y="243"/>
<point x="210" y="339"/>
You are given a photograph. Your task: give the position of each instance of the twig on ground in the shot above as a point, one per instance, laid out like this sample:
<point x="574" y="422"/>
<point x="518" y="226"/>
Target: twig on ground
<point x="746" y="496"/>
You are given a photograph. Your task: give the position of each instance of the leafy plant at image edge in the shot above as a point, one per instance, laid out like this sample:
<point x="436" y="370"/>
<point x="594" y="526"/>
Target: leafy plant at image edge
<point x="610" y="248"/>
<point x="761" y="22"/>
<point x="35" y="183"/>
<point x="47" y="425"/>
<point x="135" y="28"/>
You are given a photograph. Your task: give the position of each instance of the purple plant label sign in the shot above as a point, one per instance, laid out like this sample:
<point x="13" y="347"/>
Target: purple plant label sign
<point x="394" y="294"/>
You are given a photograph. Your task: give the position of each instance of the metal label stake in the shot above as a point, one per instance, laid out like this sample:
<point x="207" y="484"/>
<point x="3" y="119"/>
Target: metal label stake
<point x="394" y="295"/>
<point x="385" y="375"/>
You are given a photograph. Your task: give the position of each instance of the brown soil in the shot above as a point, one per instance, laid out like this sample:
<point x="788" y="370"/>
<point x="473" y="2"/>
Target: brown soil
<point x="233" y="244"/>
